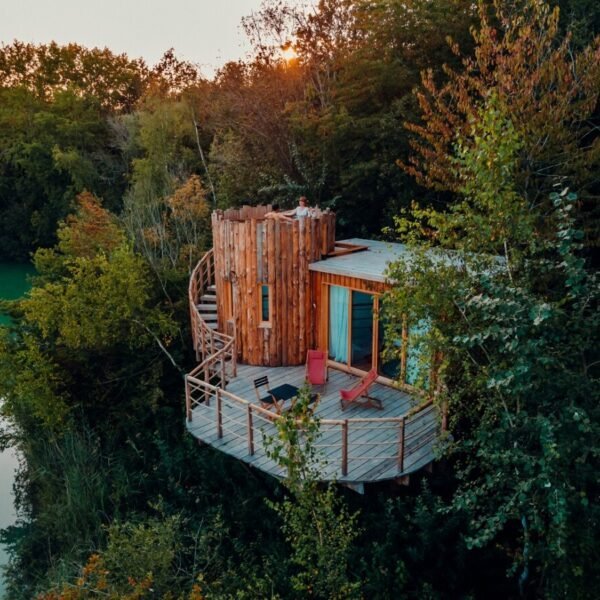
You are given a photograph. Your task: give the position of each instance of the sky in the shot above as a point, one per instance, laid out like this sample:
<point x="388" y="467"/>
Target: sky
<point x="206" y="32"/>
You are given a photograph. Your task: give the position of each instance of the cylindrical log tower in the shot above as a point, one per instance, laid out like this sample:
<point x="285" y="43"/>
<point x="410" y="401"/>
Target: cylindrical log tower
<point x="262" y="280"/>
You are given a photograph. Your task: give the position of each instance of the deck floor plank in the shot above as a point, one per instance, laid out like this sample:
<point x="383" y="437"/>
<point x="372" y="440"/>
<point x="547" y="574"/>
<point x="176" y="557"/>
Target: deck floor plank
<point x="378" y="441"/>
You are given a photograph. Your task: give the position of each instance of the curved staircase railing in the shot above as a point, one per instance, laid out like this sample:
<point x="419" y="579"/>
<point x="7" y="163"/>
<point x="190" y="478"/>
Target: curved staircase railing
<point x="214" y="350"/>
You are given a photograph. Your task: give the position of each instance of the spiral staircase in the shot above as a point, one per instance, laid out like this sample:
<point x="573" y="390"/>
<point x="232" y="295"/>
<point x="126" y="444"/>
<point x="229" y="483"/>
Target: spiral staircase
<point x="215" y="350"/>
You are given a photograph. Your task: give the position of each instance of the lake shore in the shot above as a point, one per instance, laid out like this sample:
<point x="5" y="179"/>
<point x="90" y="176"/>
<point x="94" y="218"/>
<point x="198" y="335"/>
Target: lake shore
<point x="14" y="283"/>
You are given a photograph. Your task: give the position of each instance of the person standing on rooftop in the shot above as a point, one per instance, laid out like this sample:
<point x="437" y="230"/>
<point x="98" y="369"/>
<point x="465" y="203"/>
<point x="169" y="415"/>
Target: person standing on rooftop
<point x="301" y="210"/>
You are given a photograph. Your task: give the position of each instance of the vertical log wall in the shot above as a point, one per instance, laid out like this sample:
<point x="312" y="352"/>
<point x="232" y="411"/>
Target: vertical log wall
<point x="251" y="250"/>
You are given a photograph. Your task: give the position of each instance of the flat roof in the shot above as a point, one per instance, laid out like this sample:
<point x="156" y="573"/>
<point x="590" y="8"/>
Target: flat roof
<point x="369" y="264"/>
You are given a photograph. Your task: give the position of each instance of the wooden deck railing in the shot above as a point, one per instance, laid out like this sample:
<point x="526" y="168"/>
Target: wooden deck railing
<point x="345" y="443"/>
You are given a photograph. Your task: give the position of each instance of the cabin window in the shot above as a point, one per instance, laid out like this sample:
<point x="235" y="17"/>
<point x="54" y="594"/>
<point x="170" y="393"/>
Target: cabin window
<point x="265" y="303"/>
<point x="358" y="337"/>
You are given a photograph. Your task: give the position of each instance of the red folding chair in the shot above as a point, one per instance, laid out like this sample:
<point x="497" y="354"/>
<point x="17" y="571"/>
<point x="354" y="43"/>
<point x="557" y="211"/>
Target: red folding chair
<point x="359" y="394"/>
<point x="316" y="367"/>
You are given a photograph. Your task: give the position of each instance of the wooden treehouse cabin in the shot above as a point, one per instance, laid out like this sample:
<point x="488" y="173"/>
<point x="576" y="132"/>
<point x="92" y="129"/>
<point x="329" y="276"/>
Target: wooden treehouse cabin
<point x="270" y="290"/>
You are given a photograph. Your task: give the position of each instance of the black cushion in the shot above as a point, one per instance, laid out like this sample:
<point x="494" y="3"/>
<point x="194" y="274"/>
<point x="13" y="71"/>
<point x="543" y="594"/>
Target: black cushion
<point x="267" y="399"/>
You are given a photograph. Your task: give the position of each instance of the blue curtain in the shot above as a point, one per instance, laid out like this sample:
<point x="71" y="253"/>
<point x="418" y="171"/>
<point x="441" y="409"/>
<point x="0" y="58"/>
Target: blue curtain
<point x="338" y="323"/>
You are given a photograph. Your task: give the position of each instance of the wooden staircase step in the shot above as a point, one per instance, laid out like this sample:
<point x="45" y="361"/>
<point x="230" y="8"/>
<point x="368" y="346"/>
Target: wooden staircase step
<point x="206" y="307"/>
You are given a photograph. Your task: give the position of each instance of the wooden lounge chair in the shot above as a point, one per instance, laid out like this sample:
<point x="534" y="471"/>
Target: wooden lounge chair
<point x="359" y="393"/>
<point x="316" y="367"/>
<point x="266" y="400"/>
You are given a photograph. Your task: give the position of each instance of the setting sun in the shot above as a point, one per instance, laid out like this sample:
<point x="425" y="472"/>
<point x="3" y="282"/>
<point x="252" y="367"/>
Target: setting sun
<point x="289" y="53"/>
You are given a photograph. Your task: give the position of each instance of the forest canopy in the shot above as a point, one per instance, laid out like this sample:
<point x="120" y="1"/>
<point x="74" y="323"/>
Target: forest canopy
<point x="458" y="128"/>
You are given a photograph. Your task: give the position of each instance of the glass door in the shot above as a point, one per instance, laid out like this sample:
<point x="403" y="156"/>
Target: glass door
<point x="351" y="327"/>
<point x="361" y="331"/>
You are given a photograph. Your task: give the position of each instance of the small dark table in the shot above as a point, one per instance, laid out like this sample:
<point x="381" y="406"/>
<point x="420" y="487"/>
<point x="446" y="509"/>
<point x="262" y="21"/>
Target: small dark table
<point x="284" y="391"/>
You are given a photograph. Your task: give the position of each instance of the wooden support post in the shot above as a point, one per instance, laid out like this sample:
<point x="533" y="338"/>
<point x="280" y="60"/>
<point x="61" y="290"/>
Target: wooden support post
<point x="345" y="447"/>
<point x="401" y="438"/>
<point x="219" y="415"/>
<point x="188" y="400"/>
<point x="444" y="415"/>
<point x="250" y="430"/>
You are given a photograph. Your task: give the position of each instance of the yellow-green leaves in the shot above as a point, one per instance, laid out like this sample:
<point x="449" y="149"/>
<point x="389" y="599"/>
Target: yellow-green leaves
<point x="102" y="302"/>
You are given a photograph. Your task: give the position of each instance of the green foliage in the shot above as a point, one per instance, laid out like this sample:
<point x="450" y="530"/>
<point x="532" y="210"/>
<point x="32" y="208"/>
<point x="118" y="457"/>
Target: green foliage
<point x="332" y="131"/>
<point x="52" y="150"/>
<point x="519" y="336"/>
<point x="136" y="563"/>
<point x="31" y="383"/>
<point x="86" y="370"/>
<point x="80" y="375"/>
<point x="46" y="69"/>
<point x="101" y="304"/>
<point x="139" y="550"/>
<point x="580" y="19"/>
<point x="166" y="211"/>
<point x="315" y="521"/>
<point x="546" y="88"/>
<point x="536" y="446"/>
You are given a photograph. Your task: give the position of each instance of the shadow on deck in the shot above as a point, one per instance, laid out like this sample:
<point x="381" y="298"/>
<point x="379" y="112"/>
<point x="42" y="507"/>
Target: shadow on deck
<point x="359" y="445"/>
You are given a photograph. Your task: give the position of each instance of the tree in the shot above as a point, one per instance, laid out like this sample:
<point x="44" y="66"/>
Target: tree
<point x="519" y="337"/>
<point x="357" y="64"/>
<point x="581" y="18"/>
<point x="315" y="521"/>
<point x="52" y="151"/>
<point x="116" y="81"/>
<point x="165" y="210"/>
<point x="547" y="89"/>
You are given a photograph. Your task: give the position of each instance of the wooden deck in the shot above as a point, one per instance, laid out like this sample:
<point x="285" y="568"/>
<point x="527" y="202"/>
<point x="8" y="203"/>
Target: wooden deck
<point x="358" y="445"/>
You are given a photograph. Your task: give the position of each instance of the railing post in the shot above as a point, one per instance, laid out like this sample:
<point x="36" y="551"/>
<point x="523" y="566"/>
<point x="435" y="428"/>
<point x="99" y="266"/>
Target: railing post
<point x="401" y="439"/>
<point x="207" y="379"/>
<point x="188" y="400"/>
<point x="345" y="447"/>
<point x="219" y="415"/>
<point x="250" y="430"/>
<point x="233" y="348"/>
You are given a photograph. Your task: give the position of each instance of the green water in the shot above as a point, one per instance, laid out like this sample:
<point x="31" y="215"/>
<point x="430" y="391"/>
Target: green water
<point x="13" y="283"/>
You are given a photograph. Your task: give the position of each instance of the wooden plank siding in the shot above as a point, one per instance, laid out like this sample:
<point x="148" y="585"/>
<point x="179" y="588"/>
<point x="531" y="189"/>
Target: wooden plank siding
<point x="251" y="248"/>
